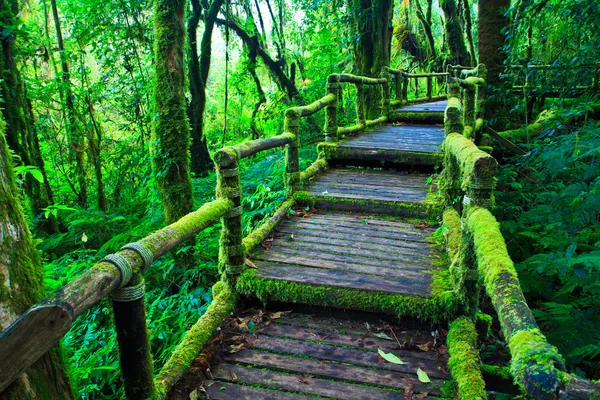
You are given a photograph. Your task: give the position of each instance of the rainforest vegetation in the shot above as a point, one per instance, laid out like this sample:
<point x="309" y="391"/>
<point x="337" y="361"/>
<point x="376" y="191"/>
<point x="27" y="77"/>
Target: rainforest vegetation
<point x="112" y="110"/>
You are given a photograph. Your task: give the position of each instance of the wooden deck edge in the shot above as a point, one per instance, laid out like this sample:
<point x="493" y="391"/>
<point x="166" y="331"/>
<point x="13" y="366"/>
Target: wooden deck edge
<point x="444" y="305"/>
<point x="430" y="207"/>
<point x="334" y="152"/>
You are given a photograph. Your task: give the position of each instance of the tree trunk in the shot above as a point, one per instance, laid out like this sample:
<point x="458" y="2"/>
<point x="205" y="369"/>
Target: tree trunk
<point x="373" y="25"/>
<point x="20" y="131"/>
<point x="21" y="279"/>
<point x="171" y="129"/>
<point x="76" y="137"/>
<point x="491" y="40"/>
<point x="468" y="29"/>
<point x="199" y="67"/>
<point x="454" y="33"/>
<point x="425" y="20"/>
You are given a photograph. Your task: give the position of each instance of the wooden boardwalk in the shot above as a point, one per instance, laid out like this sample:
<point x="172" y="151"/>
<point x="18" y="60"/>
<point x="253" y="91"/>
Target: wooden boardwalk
<point x="338" y="247"/>
<point x="298" y="356"/>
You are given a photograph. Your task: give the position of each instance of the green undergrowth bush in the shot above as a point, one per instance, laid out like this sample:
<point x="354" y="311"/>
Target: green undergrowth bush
<point x="549" y="208"/>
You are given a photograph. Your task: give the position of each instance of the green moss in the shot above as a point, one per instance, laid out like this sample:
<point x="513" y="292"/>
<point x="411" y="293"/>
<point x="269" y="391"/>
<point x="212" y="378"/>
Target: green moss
<point x="483" y="322"/>
<point x="493" y="370"/>
<point x="444" y="304"/>
<point x="453" y="116"/>
<point x="261" y="233"/>
<point x="433" y="117"/>
<point x="464" y="359"/>
<point x="453" y="234"/>
<point x="318" y="166"/>
<point x="425" y="208"/>
<point x="332" y="151"/>
<point x="195" y="339"/>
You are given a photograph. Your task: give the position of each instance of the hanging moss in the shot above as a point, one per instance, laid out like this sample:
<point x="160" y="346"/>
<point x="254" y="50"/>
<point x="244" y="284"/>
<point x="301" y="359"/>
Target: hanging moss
<point x="464" y="360"/>
<point x="223" y="303"/>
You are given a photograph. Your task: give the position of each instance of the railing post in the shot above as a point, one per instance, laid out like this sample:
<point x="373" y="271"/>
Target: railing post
<point x="453" y="121"/>
<point x="129" y="310"/>
<point x="398" y="86"/>
<point x="360" y="105"/>
<point x="231" y="250"/>
<point x="404" y="88"/>
<point x="429" y="87"/>
<point x="385" y="92"/>
<point x="331" y="124"/>
<point x="416" y="88"/>
<point x="292" y="161"/>
<point x="469" y="106"/>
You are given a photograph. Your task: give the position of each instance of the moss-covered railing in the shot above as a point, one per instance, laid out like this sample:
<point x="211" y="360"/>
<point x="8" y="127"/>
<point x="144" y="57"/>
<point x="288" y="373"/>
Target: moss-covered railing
<point x="479" y="256"/>
<point x="402" y="80"/>
<point x="119" y="276"/>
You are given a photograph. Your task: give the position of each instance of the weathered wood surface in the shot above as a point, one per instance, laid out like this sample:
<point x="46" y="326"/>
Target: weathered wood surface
<point x="436" y="106"/>
<point x="413" y="138"/>
<point x="349" y="251"/>
<point x="306" y="355"/>
<point x="370" y="185"/>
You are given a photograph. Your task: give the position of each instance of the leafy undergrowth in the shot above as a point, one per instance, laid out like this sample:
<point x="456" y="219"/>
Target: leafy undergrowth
<point x="549" y="207"/>
<point x="175" y="297"/>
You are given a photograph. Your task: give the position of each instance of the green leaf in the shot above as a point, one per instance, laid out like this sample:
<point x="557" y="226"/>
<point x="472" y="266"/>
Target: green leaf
<point x="389" y="357"/>
<point x="422" y="375"/>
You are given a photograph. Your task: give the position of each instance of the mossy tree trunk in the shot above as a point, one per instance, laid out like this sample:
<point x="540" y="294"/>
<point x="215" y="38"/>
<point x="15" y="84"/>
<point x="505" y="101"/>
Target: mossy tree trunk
<point x="199" y="66"/>
<point x="372" y="49"/>
<point x="171" y="128"/>
<point x="21" y="286"/>
<point x="454" y="33"/>
<point x="492" y="20"/>
<point x="425" y="19"/>
<point x="21" y="134"/>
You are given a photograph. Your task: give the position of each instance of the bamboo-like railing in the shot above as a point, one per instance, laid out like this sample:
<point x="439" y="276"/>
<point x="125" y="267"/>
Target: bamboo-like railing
<point x="468" y="177"/>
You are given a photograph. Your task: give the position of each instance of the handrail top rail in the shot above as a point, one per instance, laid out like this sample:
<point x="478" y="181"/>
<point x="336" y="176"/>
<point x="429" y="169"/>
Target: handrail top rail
<point x="356" y="79"/>
<point x="394" y="71"/>
<point x="228" y="155"/>
<point x="310" y="109"/>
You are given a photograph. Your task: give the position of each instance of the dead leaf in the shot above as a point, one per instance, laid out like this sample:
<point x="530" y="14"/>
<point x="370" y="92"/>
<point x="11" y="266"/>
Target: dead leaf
<point x="301" y="379"/>
<point x="277" y="315"/>
<point x="421" y="396"/>
<point x="382" y="335"/>
<point x="408" y="390"/>
<point x="250" y="263"/>
<point x="424" y="347"/>
<point x="233" y="376"/>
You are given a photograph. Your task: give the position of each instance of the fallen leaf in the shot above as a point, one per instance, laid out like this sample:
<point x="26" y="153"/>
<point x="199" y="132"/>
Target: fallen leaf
<point x="250" y="263"/>
<point x="382" y="335"/>
<point x="194" y="395"/>
<point x="422" y="375"/>
<point x="421" y="396"/>
<point x="389" y="357"/>
<point x="84" y="238"/>
<point x="408" y="390"/>
<point x="424" y="347"/>
<point x="301" y="379"/>
<point x="234" y="376"/>
<point x="325" y="193"/>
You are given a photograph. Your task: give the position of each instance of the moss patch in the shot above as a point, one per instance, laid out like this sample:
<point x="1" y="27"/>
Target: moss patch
<point x="464" y="359"/>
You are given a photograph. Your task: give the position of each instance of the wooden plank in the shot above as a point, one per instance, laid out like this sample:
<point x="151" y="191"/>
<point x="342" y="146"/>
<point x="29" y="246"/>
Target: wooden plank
<point x="374" y="186"/>
<point x="318" y="223"/>
<point x="303" y="384"/>
<point x="371" y="183"/>
<point x="366" y="219"/>
<point x="343" y="279"/>
<point x="36" y="331"/>
<point x="380" y="146"/>
<point x="349" y="356"/>
<point x="390" y="199"/>
<point x="380" y="179"/>
<point x="390" y="249"/>
<point x="331" y="370"/>
<point x="320" y="247"/>
<point x="324" y="189"/>
<point x="231" y="391"/>
<point x="406" y="273"/>
<point x="359" y="342"/>
<point x="365" y="231"/>
<point x="417" y="266"/>
<point x="357" y="238"/>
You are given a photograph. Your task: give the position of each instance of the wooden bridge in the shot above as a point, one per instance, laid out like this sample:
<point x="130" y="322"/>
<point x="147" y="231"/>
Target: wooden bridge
<point x="360" y="231"/>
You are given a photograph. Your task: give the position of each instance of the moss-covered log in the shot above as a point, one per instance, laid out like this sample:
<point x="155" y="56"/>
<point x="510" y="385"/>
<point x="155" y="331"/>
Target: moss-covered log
<point x="262" y="232"/>
<point x="227" y="155"/>
<point x="381" y="120"/>
<point x="316" y="168"/>
<point x="223" y="303"/>
<point x="346" y="130"/>
<point x="356" y="79"/>
<point x="310" y="109"/>
<point x="464" y="360"/>
<point x="534" y="361"/>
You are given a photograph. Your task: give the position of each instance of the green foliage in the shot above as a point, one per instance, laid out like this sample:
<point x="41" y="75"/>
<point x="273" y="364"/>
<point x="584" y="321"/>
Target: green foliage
<point x="548" y="205"/>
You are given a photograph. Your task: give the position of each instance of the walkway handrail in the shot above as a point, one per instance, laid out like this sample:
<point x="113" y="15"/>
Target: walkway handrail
<point x="401" y="83"/>
<point x="466" y="107"/>
<point x="118" y="275"/>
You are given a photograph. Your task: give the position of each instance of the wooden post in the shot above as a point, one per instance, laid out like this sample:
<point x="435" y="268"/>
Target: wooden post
<point x="404" y="88"/>
<point x="453" y="119"/>
<point x="360" y="105"/>
<point x="331" y="124"/>
<point x="416" y="88"/>
<point x="469" y="106"/>
<point x="429" y="87"/>
<point x="292" y="161"/>
<point x="398" y="86"/>
<point x="231" y="249"/>
<point x="129" y="309"/>
<point x="385" y="92"/>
